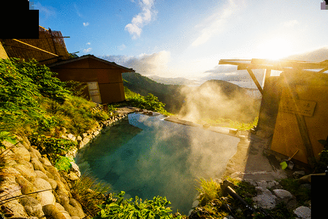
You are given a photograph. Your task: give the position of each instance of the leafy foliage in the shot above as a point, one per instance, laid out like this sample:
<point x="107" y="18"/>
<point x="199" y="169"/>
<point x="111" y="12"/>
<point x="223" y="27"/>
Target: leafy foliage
<point x="118" y="207"/>
<point x="149" y="102"/>
<point x="51" y="146"/>
<point x="63" y="163"/>
<point x="23" y="86"/>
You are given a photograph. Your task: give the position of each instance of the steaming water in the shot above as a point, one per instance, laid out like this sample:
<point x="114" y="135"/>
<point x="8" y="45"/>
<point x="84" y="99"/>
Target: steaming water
<point x="147" y="156"/>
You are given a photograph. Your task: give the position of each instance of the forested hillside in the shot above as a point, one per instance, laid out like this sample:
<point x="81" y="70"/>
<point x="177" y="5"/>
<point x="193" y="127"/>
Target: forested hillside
<point x="168" y="94"/>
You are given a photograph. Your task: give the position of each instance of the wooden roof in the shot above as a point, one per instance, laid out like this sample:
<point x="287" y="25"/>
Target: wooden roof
<point x="112" y="64"/>
<point x="49" y="48"/>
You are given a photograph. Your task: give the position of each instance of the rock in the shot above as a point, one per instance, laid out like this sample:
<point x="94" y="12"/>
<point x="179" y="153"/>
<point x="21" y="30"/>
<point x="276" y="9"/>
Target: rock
<point x="32" y="206"/>
<point x="37" y="164"/>
<point x="71" y="137"/>
<point x="53" y="183"/>
<point x="286" y="197"/>
<point x="76" y="169"/>
<point x="53" y="171"/>
<point x="52" y="211"/>
<point x="267" y="184"/>
<point x="35" y="153"/>
<point x="45" y="161"/>
<point x="26" y="171"/>
<point x="21" y="152"/>
<point x="16" y="208"/>
<point x="42" y="184"/>
<point x="298" y="174"/>
<point x="24" y="141"/>
<point x="265" y="198"/>
<point x="75" y="208"/>
<point x="85" y="141"/>
<point x="72" y="176"/>
<point x="303" y="212"/>
<point x="283" y="194"/>
<point x="46" y="196"/>
<point x="63" y="211"/>
<point x="79" y="138"/>
<point x="40" y="174"/>
<point x="26" y="186"/>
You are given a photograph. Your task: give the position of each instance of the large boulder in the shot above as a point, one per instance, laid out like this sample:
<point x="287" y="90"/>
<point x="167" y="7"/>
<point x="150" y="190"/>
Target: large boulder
<point x="26" y="170"/>
<point x="265" y="198"/>
<point x="74" y="208"/>
<point x="26" y="186"/>
<point x="32" y="206"/>
<point x="37" y="164"/>
<point x="21" y="152"/>
<point x="46" y="196"/>
<point x="285" y="197"/>
<point x="303" y="212"/>
<point x="52" y="211"/>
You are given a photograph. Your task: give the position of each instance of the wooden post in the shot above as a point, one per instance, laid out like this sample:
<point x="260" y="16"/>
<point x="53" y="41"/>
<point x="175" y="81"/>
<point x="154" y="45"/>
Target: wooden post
<point x="250" y="72"/>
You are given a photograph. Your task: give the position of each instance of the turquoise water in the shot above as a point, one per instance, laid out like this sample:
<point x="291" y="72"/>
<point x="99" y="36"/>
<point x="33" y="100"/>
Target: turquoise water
<point x="146" y="156"/>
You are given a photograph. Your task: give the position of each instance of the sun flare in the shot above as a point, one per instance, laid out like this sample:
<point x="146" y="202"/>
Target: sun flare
<point x="275" y="48"/>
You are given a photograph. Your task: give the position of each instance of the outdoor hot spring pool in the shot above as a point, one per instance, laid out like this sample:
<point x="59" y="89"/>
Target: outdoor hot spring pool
<point x="146" y="156"/>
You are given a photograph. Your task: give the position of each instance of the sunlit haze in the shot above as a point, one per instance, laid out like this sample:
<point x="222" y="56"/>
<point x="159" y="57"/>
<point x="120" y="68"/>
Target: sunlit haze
<point x="186" y="38"/>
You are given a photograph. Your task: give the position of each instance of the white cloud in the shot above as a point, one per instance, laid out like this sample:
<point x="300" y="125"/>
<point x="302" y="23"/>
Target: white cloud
<point x="87" y="50"/>
<point x="216" y="23"/>
<point x="88" y="43"/>
<point x="121" y="47"/>
<point x="145" y="64"/>
<point x="77" y="10"/>
<point x="143" y="18"/>
<point x="85" y="24"/>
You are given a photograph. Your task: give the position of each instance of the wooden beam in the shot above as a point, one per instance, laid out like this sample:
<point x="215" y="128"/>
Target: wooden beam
<point x="250" y="72"/>
<point x="37" y="48"/>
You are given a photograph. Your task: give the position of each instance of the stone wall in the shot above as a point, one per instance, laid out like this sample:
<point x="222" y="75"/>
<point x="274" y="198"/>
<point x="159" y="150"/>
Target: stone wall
<point x="25" y="172"/>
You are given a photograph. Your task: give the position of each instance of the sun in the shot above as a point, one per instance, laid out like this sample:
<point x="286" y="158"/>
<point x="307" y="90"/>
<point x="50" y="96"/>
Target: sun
<point x="274" y="48"/>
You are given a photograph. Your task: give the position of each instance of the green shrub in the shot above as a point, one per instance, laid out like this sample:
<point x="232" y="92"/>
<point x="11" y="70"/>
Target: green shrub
<point x="63" y="163"/>
<point x="149" y="102"/>
<point x="209" y="190"/>
<point x="118" y="207"/>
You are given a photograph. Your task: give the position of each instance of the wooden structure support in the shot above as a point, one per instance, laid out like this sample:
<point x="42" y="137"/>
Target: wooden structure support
<point x="34" y="47"/>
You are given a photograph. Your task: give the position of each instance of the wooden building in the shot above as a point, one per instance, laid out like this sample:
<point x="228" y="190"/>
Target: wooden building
<point x="293" y="114"/>
<point x="104" y="78"/>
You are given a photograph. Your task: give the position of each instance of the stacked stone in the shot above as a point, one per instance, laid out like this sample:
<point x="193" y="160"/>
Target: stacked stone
<point x="24" y="172"/>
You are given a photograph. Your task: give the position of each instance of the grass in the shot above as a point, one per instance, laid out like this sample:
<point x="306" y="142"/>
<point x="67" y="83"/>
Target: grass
<point x="209" y="190"/>
<point x="90" y="193"/>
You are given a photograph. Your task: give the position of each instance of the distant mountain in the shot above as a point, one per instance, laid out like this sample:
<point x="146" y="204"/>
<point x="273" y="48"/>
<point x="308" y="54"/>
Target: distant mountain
<point x="174" y="81"/>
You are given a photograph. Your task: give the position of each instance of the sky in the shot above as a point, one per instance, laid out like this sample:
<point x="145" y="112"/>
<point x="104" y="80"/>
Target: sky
<point x="186" y="38"/>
